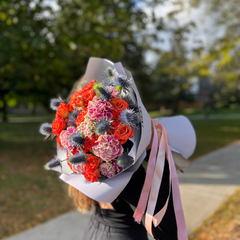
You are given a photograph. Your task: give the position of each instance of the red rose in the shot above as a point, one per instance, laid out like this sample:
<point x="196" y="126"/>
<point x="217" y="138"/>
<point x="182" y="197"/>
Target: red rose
<point x="76" y="99"/>
<point x="92" y="175"/>
<point x="88" y="86"/>
<point x="92" y="162"/>
<point x="116" y="114"/>
<point x="70" y="107"/>
<point x="122" y="133"/>
<point x="89" y="143"/>
<point x="75" y="151"/>
<point x="80" y="117"/>
<point x="58" y="125"/>
<point x="88" y="96"/>
<point x="62" y="111"/>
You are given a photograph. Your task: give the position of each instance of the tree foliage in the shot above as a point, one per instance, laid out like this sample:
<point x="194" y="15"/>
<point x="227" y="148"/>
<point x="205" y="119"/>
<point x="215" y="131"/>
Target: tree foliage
<point x="44" y="50"/>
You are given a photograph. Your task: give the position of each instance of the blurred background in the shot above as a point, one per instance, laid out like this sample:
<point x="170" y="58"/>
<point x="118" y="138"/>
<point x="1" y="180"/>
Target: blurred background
<point x="183" y="54"/>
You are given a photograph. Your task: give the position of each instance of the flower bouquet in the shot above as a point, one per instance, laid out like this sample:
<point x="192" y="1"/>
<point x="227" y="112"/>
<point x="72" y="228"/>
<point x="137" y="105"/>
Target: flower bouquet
<point x="95" y="126"/>
<point x="102" y="134"/>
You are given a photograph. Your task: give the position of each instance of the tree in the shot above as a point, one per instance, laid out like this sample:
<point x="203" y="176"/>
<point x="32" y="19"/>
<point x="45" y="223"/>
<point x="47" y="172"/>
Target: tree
<point x="46" y="50"/>
<point x="24" y="49"/>
<point x="218" y="60"/>
<point x="172" y="73"/>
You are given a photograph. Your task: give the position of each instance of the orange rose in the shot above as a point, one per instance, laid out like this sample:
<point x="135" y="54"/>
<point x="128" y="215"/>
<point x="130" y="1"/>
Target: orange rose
<point x="80" y="117"/>
<point x="70" y="107"/>
<point x="119" y="104"/>
<point x="76" y="99"/>
<point x="88" y="96"/>
<point x="92" y="175"/>
<point x="93" y="162"/>
<point x="122" y="133"/>
<point x="62" y="111"/>
<point x="88" y="86"/>
<point x="58" y="125"/>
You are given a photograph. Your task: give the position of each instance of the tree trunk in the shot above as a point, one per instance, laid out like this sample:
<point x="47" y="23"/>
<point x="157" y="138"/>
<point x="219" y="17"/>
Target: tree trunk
<point x="175" y="107"/>
<point x="175" y="104"/>
<point x="4" y="109"/>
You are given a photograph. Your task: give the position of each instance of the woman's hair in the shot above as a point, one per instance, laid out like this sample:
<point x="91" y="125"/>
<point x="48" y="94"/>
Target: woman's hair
<point x="83" y="202"/>
<point x="76" y="87"/>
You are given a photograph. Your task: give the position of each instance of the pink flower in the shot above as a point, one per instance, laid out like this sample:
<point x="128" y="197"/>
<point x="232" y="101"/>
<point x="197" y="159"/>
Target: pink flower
<point x="98" y="109"/>
<point x="79" y="168"/>
<point x="64" y="138"/>
<point x="86" y="127"/>
<point x="115" y="93"/>
<point x="108" y="148"/>
<point x="107" y="169"/>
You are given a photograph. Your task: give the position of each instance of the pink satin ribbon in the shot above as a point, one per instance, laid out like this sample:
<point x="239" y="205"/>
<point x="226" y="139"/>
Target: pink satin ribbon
<point x="152" y="185"/>
<point x="138" y="214"/>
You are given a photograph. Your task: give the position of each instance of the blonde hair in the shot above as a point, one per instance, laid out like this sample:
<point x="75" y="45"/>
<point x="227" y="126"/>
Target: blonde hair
<point x="82" y="202"/>
<point x="76" y="87"/>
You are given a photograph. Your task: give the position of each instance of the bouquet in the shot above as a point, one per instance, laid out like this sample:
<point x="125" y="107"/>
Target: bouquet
<point x="95" y="126"/>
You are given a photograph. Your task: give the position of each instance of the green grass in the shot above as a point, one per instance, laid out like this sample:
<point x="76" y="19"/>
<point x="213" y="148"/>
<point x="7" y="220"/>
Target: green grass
<point x="30" y="195"/>
<point x="192" y="111"/>
<point x="213" y="134"/>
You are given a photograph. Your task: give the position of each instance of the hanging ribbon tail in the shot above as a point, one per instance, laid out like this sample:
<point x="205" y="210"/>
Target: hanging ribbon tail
<point x="142" y="203"/>
<point x="150" y="193"/>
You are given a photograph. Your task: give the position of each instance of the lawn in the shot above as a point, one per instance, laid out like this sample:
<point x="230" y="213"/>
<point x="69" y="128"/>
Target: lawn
<point x="223" y="224"/>
<point x="30" y="195"/>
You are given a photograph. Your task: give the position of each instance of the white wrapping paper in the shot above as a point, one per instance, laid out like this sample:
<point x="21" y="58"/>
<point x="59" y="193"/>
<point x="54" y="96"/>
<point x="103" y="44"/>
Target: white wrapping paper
<point x="180" y="133"/>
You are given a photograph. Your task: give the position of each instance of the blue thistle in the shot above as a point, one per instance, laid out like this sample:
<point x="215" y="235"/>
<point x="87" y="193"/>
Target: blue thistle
<point x="55" y="103"/>
<point x="46" y="129"/>
<point x="76" y="139"/>
<point x="123" y="81"/>
<point x="129" y="118"/>
<point x="78" y="158"/>
<point x="125" y="161"/>
<point x="52" y="164"/>
<point x="72" y="117"/>
<point x="105" y="94"/>
<point x="131" y="103"/>
<point x="109" y="72"/>
<point x="102" y="126"/>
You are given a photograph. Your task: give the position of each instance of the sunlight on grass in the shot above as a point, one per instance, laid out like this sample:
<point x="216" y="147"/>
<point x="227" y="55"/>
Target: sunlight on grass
<point x="230" y="129"/>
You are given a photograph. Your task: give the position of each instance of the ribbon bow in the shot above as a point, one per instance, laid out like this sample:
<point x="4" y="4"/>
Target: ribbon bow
<point x="151" y="187"/>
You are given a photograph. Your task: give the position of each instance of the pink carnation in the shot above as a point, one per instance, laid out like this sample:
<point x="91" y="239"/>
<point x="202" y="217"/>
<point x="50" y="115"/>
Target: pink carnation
<point x="115" y="93"/>
<point x="79" y="168"/>
<point x="64" y="138"/>
<point x="107" y="169"/>
<point x="98" y="109"/>
<point x="86" y="127"/>
<point x="108" y="148"/>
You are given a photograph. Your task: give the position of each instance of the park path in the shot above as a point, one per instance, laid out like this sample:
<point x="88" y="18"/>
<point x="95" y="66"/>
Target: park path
<point x="204" y="185"/>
